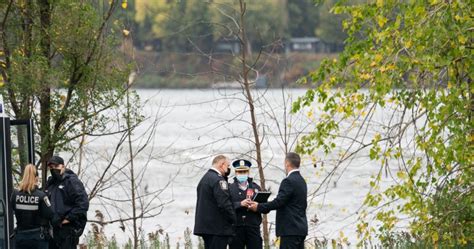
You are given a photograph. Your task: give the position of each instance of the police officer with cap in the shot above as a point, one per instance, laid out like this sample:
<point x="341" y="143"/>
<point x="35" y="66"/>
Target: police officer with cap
<point x="242" y="191"/>
<point x="70" y="204"/>
<point x="215" y="214"/>
<point x="32" y="211"/>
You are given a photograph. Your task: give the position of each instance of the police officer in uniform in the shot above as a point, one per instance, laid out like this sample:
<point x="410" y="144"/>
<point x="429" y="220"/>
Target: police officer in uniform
<point x="70" y="204"/>
<point x="242" y="191"/>
<point x="215" y="214"/>
<point x="32" y="211"/>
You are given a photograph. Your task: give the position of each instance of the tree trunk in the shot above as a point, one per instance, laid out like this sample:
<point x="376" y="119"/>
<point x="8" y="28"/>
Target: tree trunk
<point x="47" y="145"/>
<point x="250" y="102"/>
<point x="132" y="175"/>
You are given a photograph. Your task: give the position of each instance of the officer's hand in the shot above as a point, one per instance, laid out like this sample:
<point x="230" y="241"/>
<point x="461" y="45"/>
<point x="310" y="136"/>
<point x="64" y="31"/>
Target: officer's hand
<point x="253" y="206"/>
<point x="65" y="221"/>
<point x="56" y="221"/>
<point x="245" y="203"/>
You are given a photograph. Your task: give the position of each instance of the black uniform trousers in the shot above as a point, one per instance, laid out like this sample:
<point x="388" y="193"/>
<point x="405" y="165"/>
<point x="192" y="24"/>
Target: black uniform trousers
<point x="30" y="239"/>
<point x="215" y="241"/>
<point x="246" y="236"/>
<point x="292" y="242"/>
<point x="64" y="238"/>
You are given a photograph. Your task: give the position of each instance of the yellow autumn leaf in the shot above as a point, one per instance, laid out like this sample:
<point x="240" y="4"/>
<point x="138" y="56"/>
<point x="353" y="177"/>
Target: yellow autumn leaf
<point x="378" y="58"/>
<point x="365" y="76"/>
<point x="381" y="21"/>
<point x="390" y="67"/>
<point x="124" y="4"/>
<point x="340" y="109"/>
<point x="356" y="13"/>
<point x="277" y="241"/>
<point x="435" y="236"/>
<point x="401" y="174"/>
<point x="377" y="137"/>
<point x="22" y="3"/>
<point x="470" y="138"/>
<point x="125" y="32"/>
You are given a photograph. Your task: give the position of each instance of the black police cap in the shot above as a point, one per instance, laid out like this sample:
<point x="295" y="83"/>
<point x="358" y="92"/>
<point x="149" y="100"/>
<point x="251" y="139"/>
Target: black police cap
<point x="241" y="164"/>
<point x="56" y="160"/>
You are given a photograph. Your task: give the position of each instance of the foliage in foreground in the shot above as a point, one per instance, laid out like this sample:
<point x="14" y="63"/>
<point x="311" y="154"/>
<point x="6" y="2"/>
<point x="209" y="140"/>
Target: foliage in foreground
<point x="411" y="60"/>
<point x="60" y="66"/>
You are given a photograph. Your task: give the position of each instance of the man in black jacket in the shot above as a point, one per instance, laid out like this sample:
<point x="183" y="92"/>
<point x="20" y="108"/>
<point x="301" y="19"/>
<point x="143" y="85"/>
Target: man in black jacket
<point x="215" y="214"/>
<point x="242" y="191"/>
<point x="290" y="203"/>
<point x="70" y="203"/>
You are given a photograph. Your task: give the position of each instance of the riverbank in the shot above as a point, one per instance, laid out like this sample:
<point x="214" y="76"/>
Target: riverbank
<point x="194" y="70"/>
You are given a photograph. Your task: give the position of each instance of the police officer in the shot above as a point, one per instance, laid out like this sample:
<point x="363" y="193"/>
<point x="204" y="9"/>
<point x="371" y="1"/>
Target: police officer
<point x="242" y="191"/>
<point x="32" y="211"/>
<point x="70" y="204"/>
<point x="215" y="214"/>
<point x="290" y="204"/>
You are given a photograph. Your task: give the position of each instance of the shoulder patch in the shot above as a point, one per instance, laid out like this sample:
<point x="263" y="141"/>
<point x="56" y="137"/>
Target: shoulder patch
<point x="46" y="201"/>
<point x="223" y="184"/>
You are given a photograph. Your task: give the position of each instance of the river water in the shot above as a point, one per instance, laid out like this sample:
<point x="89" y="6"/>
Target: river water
<point x="192" y="126"/>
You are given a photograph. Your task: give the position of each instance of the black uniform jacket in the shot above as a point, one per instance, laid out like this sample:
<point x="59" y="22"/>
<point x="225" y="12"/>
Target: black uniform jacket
<point x="245" y="217"/>
<point x="69" y="199"/>
<point x="215" y="213"/>
<point x="31" y="210"/>
<point x="290" y="204"/>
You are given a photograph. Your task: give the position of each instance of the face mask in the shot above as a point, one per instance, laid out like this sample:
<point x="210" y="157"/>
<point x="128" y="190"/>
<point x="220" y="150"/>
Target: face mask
<point x="227" y="173"/>
<point x="56" y="174"/>
<point x="242" y="178"/>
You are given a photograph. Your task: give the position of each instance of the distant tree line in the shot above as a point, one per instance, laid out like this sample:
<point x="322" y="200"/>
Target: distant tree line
<point x="188" y="25"/>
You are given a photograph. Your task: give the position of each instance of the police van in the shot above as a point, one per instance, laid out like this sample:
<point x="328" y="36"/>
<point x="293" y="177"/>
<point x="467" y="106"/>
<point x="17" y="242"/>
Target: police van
<point x="16" y="148"/>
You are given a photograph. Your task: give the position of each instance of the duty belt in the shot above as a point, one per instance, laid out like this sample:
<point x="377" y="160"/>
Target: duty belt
<point x="29" y="230"/>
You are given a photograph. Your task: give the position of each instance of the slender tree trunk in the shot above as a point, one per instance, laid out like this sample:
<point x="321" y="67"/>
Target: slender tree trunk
<point x="47" y="145"/>
<point x="83" y="141"/>
<point x="132" y="175"/>
<point x="250" y="102"/>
